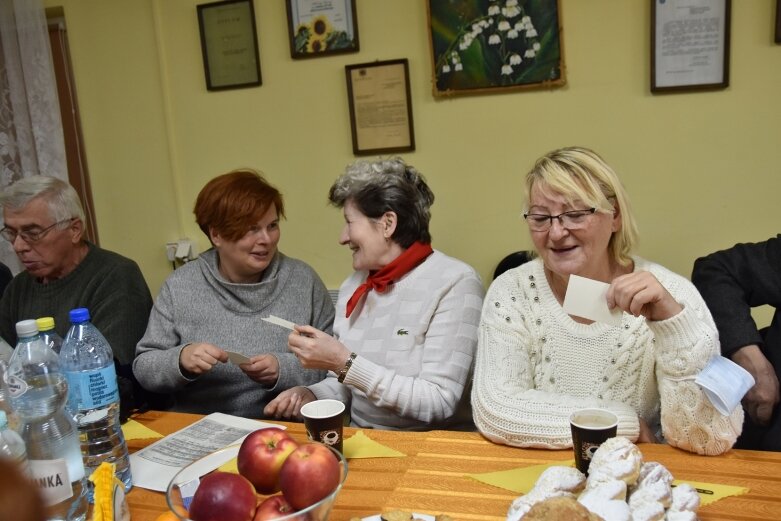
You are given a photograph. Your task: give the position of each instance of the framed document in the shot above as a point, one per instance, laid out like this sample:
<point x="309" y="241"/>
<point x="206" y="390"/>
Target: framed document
<point x="229" y="43"/>
<point x="380" y="107"/>
<point x="690" y="44"/>
<point x="321" y="27"/>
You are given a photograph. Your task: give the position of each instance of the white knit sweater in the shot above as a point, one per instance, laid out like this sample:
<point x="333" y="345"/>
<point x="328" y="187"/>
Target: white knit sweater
<point x="415" y="344"/>
<point x="535" y="365"/>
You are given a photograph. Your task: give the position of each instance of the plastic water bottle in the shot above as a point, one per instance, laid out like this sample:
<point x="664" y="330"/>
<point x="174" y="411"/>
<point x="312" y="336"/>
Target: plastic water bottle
<point x="6" y="351"/>
<point x="11" y="444"/>
<point x="48" y="334"/>
<point x="88" y="363"/>
<point x="38" y="392"/>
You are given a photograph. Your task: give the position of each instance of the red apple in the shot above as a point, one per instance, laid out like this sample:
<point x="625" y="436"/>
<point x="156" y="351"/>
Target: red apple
<point x="261" y="456"/>
<point x="223" y="496"/>
<point x="309" y="474"/>
<point x="272" y="507"/>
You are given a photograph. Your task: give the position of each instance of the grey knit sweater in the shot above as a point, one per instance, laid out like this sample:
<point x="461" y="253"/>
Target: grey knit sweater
<point x="196" y="304"/>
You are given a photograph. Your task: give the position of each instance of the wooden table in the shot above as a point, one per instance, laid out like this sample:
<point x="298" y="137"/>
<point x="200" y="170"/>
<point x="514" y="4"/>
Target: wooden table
<point x="431" y="478"/>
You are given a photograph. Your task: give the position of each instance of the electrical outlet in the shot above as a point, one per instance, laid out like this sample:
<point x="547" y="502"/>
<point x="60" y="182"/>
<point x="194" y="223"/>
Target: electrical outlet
<point x="170" y="251"/>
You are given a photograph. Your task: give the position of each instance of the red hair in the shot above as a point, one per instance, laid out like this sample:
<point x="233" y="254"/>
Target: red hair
<point x="231" y="204"/>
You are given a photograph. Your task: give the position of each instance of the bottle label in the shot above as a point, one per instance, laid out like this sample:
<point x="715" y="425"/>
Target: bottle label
<point x="51" y="477"/>
<point x="93" y="389"/>
<point x="16" y="386"/>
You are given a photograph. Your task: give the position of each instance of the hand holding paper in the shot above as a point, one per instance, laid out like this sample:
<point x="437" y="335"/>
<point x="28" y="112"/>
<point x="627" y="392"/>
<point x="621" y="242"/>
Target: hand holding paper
<point x="587" y="299"/>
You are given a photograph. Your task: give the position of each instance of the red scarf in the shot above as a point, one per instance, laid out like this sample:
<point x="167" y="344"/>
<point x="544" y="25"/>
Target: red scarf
<point x="380" y="280"/>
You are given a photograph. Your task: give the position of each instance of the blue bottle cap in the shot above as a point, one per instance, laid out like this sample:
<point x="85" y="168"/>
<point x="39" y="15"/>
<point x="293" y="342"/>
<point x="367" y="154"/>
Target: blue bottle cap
<point x="79" y="315"/>
<point x="26" y="328"/>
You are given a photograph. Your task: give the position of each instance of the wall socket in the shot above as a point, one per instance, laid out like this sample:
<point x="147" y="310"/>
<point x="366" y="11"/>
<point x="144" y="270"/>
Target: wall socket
<point x="180" y="251"/>
<point x="170" y="251"/>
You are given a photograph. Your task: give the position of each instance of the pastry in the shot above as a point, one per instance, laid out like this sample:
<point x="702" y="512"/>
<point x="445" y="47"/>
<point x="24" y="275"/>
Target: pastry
<point x="658" y="491"/>
<point x="653" y="471"/>
<point x="619" y="458"/>
<point x="684" y="498"/>
<point x="610" y="510"/>
<point x="521" y="506"/>
<point x="607" y="490"/>
<point x="648" y="511"/>
<point x="396" y="515"/>
<point x="568" y="479"/>
<point x="685" y="515"/>
<point x="560" y="509"/>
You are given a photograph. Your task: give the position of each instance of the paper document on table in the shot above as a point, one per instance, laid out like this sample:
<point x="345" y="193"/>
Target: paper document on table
<point x="154" y="466"/>
<point x="586" y="298"/>
<point x="280" y="322"/>
<point x="724" y="383"/>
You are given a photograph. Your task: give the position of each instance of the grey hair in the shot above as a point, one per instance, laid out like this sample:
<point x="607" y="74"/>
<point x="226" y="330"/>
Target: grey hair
<point x="388" y="185"/>
<point x="60" y="197"/>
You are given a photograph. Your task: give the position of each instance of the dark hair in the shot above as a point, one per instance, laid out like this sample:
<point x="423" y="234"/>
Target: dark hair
<point x="388" y="185"/>
<point x="234" y="202"/>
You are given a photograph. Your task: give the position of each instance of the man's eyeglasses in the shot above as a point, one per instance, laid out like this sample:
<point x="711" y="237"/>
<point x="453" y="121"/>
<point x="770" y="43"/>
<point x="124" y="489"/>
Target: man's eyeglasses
<point x="571" y="220"/>
<point x="29" y="236"/>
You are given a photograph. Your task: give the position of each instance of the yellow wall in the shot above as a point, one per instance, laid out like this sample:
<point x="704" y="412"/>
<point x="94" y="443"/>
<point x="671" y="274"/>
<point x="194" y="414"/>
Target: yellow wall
<point x="702" y="168"/>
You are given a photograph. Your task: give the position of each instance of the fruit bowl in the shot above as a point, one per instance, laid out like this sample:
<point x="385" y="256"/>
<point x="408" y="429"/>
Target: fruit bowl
<point x="209" y="463"/>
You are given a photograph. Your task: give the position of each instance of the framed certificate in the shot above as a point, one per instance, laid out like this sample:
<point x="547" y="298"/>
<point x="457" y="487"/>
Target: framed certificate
<point x="321" y="27"/>
<point x="380" y="107"/>
<point x="690" y="44"/>
<point x="229" y="43"/>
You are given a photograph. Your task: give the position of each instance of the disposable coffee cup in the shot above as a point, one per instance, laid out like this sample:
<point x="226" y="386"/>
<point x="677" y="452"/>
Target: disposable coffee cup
<point x="323" y="420"/>
<point x="590" y="428"/>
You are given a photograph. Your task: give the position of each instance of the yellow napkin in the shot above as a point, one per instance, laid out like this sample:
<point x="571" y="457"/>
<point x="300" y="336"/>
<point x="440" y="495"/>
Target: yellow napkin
<point x="137" y="431"/>
<point x="229" y="466"/>
<point x="361" y="446"/>
<point x="712" y="492"/>
<point x="518" y="480"/>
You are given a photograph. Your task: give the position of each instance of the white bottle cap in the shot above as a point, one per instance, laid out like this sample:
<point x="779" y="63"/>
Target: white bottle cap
<point x="26" y="328"/>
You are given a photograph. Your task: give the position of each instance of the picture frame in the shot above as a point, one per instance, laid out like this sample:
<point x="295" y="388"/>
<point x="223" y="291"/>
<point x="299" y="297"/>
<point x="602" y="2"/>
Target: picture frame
<point x="690" y="44"/>
<point x="478" y="47"/>
<point x="321" y="27"/>
<point x="380" y="105"/>
<point x="778" y="21"/>
<point x="229" y="44"/>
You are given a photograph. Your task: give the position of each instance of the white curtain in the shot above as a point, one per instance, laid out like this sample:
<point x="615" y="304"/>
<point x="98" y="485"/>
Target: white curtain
<point x="31" y="139"/>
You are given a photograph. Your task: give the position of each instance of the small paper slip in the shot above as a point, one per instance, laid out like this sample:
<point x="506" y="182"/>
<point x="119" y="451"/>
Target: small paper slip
<point x="237" y="358"/>
<point x="280" y="322"/>
<point x="724" y="383"/>
<point x="587" y="298"/>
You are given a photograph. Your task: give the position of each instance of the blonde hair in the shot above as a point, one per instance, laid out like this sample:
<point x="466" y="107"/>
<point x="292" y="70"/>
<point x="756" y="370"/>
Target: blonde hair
<point x="580" y="174"/>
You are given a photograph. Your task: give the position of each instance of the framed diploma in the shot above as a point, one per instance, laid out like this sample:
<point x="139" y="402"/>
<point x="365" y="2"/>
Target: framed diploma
<point x="380" y="107"/>
<point x="229" y="43"/>
<point x="690" y="44"/>
<point x="321" y="27"/>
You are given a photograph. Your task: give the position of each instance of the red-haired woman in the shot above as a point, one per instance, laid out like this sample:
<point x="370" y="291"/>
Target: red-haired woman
<point x="214" y="305"/>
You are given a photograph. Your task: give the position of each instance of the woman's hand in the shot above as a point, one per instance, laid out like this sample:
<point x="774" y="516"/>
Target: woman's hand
<point x="263" y="369"/>
<point x="200" y="357"/>
<point x="640" y="293"/>
<point x="317" y="350"/>
<point x="287" y="405"/>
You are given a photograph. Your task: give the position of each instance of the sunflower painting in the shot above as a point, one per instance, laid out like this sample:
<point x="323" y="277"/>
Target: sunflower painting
<point x="484" y="45"/>
<point x="322" y="27"/>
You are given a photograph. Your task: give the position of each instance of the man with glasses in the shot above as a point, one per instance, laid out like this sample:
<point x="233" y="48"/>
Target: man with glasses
<point x="44" y="221"/>
<point x="732" y="281"/>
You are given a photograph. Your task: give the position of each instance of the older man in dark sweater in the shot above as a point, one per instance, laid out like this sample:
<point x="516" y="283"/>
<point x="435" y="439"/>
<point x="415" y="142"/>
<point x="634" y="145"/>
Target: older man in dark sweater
<point x="44" y="222"/>
<point x="733" y="281"/>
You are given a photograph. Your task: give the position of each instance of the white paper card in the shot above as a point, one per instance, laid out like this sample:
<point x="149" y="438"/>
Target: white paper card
<point x="154" y="466"/>
<point x="237" y="358"/>
<point x="280" y="322"/>
<point x="587" y="298"/>
<point x="724" y="383"/>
